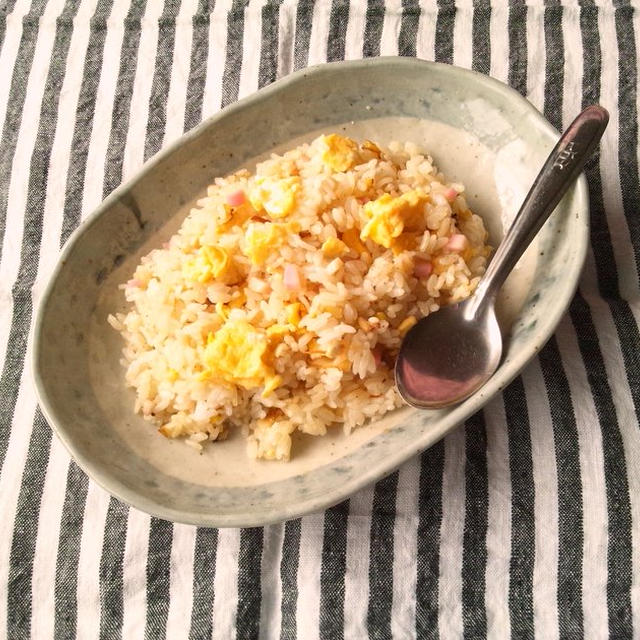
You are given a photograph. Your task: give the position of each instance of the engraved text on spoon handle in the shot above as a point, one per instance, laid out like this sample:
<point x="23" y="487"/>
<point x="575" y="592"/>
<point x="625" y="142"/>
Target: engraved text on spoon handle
<point x="562" y="167"/>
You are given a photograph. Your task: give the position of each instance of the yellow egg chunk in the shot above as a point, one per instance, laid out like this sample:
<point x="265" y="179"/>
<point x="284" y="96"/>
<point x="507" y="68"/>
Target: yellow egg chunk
<point x="262" y="239"/>
<point x="209" y="263"/>
<point x="271" y="385"/>
<point x="277" y="331"/>
<point x="351" y="238"/>
<point x="277" y="196"/>
<point x="294" y="313"/>
<point x="333" y="248"/>
<point x="406" y="324"/>
<point x="238" y="301"/>
<point x="367" y="145"/>
<point x="236" y="216"/>
<point x="389" y="216"/>
<point x="339" y="153"/>
<point x="237" y="355"/>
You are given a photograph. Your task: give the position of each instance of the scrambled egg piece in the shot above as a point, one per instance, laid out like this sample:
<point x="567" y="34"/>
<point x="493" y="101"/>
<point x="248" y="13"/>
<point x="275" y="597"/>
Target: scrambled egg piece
<point x="406" y="324"/>
<point x="262" y="239"/>
<point x="237" y="301"/>
<point x="367" y="145"/>
<point x="351" y="237"/>
<point x="276" y="331"/>
<point x="332" y="248"/>
<point x="339" y="153"/>
<point x="277" y="196"/>
<point x="236" y="215"/>
<point x="208" y="264"/>
<point x="238" y="353"/>
<point x="295" y="312"/>
<point x="388" y="217"/>
<point x="271" y="385"/>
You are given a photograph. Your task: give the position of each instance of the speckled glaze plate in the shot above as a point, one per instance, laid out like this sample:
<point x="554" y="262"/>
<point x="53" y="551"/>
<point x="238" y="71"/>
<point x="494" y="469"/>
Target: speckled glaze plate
<point x="479" y="132"/>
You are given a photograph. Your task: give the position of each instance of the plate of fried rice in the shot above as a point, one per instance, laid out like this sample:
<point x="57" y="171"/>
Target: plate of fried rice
<point x="216" y="345"/>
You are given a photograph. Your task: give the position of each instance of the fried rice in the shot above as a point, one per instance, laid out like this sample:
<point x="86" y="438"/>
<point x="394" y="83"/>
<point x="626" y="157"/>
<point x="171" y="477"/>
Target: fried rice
<point x="281" y="302"/>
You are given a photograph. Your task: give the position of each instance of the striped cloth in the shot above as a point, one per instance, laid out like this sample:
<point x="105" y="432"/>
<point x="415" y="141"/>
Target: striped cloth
<point x="523" y="522"/>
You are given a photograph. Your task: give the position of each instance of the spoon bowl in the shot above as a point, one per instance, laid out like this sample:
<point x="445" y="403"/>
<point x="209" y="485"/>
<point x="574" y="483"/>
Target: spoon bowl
<point x="450" y="354"/>
<point x="454" y="368"/>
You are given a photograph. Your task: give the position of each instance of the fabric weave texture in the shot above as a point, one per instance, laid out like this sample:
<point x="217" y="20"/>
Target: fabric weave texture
<point x="524" y="522"/>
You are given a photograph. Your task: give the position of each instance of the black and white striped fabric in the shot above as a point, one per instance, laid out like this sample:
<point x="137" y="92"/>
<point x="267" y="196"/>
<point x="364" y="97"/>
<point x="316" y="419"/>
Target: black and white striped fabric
<point x="524" y="522"/>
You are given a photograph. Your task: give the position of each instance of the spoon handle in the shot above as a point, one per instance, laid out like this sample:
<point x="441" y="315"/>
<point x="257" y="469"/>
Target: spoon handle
<point x="562" y="167"/>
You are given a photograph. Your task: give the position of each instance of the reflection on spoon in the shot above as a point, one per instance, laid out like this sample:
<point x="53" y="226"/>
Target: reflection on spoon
<point x="431" y="388"/>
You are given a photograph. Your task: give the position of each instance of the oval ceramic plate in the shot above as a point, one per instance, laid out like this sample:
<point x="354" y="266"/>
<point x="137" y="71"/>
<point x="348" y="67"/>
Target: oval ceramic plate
<point x="479" y="132"/>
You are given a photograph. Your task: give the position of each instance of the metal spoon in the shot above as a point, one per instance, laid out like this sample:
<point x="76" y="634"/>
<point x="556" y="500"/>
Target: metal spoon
<point x="450" y="354"/>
